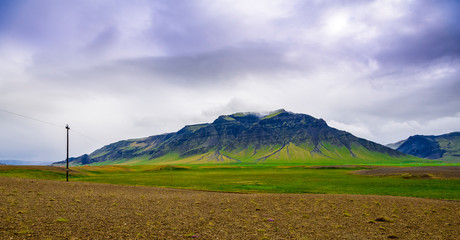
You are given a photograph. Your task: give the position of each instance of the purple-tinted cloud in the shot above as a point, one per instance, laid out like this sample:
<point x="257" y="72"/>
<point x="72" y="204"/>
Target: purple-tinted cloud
<point x="380" y="69"/>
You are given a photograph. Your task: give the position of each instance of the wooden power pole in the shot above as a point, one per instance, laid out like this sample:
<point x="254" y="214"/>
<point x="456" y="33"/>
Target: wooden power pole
<point x="67" y="165"/>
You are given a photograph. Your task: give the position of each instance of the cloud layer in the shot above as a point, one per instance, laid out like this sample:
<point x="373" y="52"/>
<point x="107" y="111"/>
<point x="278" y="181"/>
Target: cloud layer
<point x="112" y="70"/>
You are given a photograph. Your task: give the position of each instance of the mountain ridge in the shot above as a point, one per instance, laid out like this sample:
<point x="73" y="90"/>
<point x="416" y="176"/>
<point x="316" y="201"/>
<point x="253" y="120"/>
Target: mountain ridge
<point x="278" y="137"/>
<point x="440" y="147"/>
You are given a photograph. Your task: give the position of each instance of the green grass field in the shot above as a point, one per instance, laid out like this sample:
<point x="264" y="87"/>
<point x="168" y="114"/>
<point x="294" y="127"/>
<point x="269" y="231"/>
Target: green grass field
<point x="272" y="179"/>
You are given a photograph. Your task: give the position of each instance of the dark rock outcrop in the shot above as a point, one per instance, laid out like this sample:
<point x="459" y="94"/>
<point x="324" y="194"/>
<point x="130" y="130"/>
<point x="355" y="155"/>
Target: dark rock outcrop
<point x="446" y="146"/>
<point x="422" y="146"/>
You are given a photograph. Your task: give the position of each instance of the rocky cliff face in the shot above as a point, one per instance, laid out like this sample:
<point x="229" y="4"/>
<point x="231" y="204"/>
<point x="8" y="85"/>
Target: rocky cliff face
<point x="245" y="137"/>
<point x="446" y="147"/>
<point x="422" y="146"/>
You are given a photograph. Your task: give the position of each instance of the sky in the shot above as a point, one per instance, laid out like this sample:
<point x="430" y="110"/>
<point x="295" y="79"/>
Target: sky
<point x="119" y="69"/>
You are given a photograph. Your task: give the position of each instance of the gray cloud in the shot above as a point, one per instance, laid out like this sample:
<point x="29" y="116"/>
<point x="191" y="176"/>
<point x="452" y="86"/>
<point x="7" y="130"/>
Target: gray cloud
<point x="182" y="28"/>
<point x="227" y="64"/>
<point x="383" y="70"/>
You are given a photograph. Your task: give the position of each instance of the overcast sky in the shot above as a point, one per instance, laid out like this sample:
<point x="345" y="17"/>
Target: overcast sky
<point x="113" y="70"/>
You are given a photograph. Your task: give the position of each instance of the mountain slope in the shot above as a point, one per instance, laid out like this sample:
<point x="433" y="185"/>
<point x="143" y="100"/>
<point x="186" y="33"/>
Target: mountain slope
<point x="444" y="147"/>
<point x="396" y="144"/>
<point x="280" y="137"/>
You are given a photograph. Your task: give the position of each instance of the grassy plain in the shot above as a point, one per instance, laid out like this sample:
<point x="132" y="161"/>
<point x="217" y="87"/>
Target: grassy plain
<point x="256" y="179"/>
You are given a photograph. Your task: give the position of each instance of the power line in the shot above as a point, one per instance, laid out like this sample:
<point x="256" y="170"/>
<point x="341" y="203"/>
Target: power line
<point x="83" y="135"/>
<point x="49" y="123"/>
<point x="31" y="118"/>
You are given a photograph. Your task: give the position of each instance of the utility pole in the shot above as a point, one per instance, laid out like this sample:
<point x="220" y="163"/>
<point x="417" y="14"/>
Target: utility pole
<point x="67" y="168"/>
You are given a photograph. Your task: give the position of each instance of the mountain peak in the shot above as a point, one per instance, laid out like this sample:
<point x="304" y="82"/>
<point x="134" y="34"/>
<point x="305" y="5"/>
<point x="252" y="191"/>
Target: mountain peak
<point x="243" y="114"/>
<point x="275" y="113"/>
<point x="245" y="137"/>
<point x="251" y="117"/>
<point x="243" y="118"/>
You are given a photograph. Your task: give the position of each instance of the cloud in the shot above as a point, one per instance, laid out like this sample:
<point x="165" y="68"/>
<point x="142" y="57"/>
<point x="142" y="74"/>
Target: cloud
<point x="437" y="126"/>
<point x="115" y="69"/>
<point x="228" y="64"/>
<point x="358" y="129"/>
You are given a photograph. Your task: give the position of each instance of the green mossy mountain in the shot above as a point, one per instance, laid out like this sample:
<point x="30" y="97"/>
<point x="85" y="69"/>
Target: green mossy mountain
<point x="444" y="147"/>
<point x="280" y="137"/>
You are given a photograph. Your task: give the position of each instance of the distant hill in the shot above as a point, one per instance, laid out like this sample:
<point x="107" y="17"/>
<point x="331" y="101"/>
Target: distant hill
<point x="248" y="138"/>
<point x="21" y="162"/>
<point x="444" y="147"/>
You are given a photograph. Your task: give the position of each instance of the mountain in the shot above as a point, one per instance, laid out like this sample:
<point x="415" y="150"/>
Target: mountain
<point x="444" y="147"/>
<point x="280" y="137"/>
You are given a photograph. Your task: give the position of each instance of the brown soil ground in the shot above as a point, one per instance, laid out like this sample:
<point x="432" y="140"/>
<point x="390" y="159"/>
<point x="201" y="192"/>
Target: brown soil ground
<point x="44" y="209"/>
<point x="414" y="172"/>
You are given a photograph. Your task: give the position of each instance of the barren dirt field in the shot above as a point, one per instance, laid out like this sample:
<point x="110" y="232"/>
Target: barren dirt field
<point x="44" y="209"/>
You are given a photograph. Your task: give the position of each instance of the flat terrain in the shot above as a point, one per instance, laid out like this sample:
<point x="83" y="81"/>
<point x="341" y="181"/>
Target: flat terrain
<point x="436" y="182"/>
<point x="47" y="209"/>
<point x="414" y="172"/>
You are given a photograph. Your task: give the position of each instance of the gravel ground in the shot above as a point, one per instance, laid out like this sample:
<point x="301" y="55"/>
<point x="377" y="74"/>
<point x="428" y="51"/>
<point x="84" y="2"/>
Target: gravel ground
<point x="44" y="209"/>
